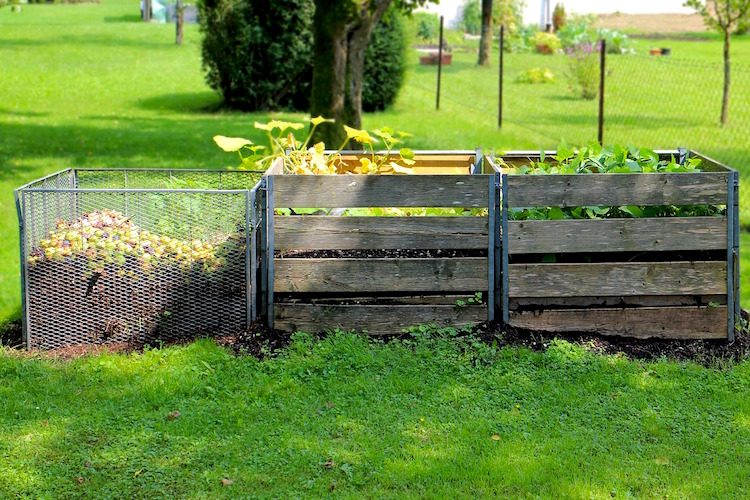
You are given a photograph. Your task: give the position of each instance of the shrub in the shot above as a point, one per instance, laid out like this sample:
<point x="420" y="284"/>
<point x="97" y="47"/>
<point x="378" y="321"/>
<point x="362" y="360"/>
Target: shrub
<point x="258" y="54"/>
<point x="617" y="42"/>
<point x="559" y="17"/>
<point x="428" y="26"/>
<point x="471" y="17"/>
<point x="583" y="67"/>
<point x="546" y="43"/>
<point x="385" y="63"/>
<point x="536" y="75"/>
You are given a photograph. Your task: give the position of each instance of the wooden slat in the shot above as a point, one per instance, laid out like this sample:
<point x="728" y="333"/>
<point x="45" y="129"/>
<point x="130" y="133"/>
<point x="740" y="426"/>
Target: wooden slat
<point x="276" y="168"/>
<point x="377" y="320"/>
<point x="617" y="235"/>
<point x="355" y="233"/>
<point x="342" y="191"/>
<point x="467" y="274"/>
<point x="428" y="164"/>
<point x="540" y="303"/>
<point x="376" y="300"/>
<point x="617" y="189"/>
<point x="614" y="279"/>
<point x="642" y="322"/>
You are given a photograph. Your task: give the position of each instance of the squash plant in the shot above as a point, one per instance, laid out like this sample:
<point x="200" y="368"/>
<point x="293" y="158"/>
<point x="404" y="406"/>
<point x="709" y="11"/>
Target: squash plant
<point x="595" y="159"/>
<point x="302" y="158"/>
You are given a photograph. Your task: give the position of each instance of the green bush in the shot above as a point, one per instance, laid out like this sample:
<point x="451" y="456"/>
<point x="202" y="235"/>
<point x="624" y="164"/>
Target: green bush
<point x="385" y="63"/>
<point x="258" y="54"/>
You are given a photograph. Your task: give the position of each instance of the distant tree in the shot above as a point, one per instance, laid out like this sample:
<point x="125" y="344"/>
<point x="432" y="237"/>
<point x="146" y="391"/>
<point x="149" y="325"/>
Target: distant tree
<point x="725" y="17"/>
<point x="485" y="41"/>
<point x="428" y="27"/>
<point x="342" y="30"/>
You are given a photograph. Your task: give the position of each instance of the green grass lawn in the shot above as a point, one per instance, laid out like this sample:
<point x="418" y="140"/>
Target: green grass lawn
<point x="92" y="86"/>
<point x="405" y="419"/>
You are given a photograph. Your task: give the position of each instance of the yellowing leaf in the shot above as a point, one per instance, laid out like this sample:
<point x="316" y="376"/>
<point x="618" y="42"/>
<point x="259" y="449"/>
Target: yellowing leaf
<point x="662" y="461"/>
<point x="368" y="167"/>
<point x="495" y="437"/>
<point x="263" y="126"/>
<point x="319" y="119"/>
<point x="401" y="170"/>
<point x="360" y="136"/>
<point x="320" y="147"/>
<point x="230" y="144"/>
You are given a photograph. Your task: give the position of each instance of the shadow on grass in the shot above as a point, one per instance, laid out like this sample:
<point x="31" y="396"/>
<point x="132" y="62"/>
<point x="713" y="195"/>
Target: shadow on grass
<point x="189" y="102"/>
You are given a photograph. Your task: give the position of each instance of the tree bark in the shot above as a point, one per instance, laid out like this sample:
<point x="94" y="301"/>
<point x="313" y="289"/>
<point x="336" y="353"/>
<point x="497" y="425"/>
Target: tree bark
<point x="485" y="42"/>
<point x="727" y="68"/>
<point x="342" y="30"/>
<point x="180" y="20"/>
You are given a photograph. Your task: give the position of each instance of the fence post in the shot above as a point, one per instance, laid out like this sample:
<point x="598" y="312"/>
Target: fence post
<point x="440" y="64"/>
<point x="731" y="285"/>
<point x="500" y="84"/>
<point x="269" y="247"/>
<point x="602" y="58"/>
<point x="504" y="247"/>
<point x="250" y="256"/>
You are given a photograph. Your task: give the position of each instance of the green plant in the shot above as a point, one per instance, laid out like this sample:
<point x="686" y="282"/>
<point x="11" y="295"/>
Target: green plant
<point x="595" y="159"/>
<point x="536" y="75"/>
<point x="559" y="18"/>
<point x="300" y="157"/>
<point x="584" y="69"/>
<point x="257" y="54"/>
<point x="385" y="63"/>
<point x="616" y="41"/>
<point x="427" y="27"/>
<point x="546" y="43"/>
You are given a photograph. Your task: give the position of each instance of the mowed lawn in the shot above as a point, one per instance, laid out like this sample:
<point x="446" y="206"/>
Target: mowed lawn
<point x="91" y="86"/>
<point x="432" y="416"/>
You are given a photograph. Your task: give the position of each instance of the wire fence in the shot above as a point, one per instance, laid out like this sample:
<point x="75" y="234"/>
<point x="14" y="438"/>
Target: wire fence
<point x="659" y="102"/>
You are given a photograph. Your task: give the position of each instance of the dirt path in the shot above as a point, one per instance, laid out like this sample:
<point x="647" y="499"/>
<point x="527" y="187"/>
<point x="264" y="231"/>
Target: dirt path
<point x="652" y="23"/>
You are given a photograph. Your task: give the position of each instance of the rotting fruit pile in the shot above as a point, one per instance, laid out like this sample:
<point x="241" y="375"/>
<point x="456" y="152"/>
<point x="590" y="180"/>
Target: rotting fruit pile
<point x="108" y="237"/>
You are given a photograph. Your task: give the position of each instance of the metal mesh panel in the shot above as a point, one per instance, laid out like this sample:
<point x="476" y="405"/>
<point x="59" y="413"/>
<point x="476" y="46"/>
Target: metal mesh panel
<point x="110" y="265"/>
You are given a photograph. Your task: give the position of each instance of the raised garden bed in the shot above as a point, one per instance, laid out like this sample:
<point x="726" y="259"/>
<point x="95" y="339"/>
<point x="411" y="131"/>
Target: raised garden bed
<point x="366" y="267"/>
<point x="112" y="256"/>
<point x="658" y="276"/>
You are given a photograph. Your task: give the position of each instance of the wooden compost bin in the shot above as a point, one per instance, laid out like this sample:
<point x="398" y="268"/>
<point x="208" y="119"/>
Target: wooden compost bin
<point x="669" y="277"/>
<point x="381" y="273"/>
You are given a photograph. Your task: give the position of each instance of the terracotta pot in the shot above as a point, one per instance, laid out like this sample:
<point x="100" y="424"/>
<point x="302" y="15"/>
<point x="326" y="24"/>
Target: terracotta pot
<point x="655" y="52"/>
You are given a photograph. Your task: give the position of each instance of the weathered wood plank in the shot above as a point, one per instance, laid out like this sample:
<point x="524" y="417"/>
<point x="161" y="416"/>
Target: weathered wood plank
<point x="376" y="300"/>
<point x="343" y="191"/>
<point x="615" y="279"/>
<point x="355" y="233"/>
<point x="433" y="164"/>
<point x="617" y="189"/>
<point x="377" y="320"/>
<point x="617" y="235"/>
<point x="539" y="303"/>
<point x="641" y="322"/>
<point x="467" y="274"/>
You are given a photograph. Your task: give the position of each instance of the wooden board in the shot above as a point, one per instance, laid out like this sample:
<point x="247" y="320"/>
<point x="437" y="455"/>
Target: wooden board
<point x="352" y="191"/>
<point x="355" y="233"/>
<point x="468" y="274"/>
<point x="377" y="320"/>
<point x="377" y="300"/>
<point x="617" y="235"/>
<point x="539" y="303"/>
<point x="437" y="164"/>
<point x="642" y="322"/>
<point x="615" y="279"/>
<point x="617" y="189"/>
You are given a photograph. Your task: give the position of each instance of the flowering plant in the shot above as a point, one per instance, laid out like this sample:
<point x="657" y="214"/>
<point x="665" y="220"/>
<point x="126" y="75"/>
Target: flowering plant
<point x="583" y="68"/>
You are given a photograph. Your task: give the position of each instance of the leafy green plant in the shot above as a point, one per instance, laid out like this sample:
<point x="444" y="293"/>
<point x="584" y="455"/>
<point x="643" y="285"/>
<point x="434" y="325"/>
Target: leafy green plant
<point x="546" y="43"/>
<point x="559" y="18"/>
<point x="595" y="159"/>
<point x="583" y="69"/>
<point x="536" y="75"/>
<point x="427" y="27"/>
<point x="299" y="157"/>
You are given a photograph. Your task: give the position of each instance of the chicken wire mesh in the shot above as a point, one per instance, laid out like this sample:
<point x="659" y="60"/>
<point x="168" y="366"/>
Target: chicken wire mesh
<point x="112" y="256"/>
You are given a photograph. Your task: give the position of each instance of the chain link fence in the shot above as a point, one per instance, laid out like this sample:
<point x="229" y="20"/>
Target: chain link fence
<point x="112" y="256"/>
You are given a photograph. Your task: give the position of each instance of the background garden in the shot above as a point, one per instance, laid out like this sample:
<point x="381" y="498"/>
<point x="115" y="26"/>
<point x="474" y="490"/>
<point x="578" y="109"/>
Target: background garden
<point x="92" y="86"/>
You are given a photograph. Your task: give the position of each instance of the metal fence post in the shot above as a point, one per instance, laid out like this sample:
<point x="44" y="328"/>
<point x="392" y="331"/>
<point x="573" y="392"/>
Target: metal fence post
<point x="602" y="60"/>
<point x="504" y="246"/>
<point x="491" y="250"/>
<point x="440" y="64"/>
<point x="500" y="84"/>
<point x="269" y="249"/>
<point x="22" y="263"/>
<point x="263" y="250"/>
<point x="249" y="257"/>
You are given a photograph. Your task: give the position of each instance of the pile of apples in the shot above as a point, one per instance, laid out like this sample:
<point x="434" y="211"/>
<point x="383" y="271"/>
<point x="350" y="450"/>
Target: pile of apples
<point x="108" y="237"/>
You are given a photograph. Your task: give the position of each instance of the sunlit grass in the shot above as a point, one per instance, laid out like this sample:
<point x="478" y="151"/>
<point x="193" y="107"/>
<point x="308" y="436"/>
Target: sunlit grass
<point x="407" y="418"/>
<point x="92" y="86"/>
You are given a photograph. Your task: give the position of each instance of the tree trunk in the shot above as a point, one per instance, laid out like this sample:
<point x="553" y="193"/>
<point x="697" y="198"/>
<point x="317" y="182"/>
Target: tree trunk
<point x="725" y="97"/>
<point x="341" y="34"/>
<point x="180" y="20"/>
<point x="485" y="42"/>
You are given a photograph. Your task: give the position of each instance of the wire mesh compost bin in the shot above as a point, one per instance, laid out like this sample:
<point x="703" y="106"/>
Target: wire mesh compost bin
<point x="135" y="255"/>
